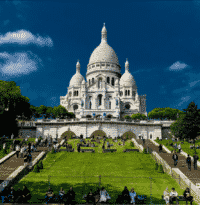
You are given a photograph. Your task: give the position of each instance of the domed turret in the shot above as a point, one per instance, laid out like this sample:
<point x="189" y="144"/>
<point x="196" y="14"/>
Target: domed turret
<point x="104" y="52"/>
<point x="77" y="77"/>
<point x="127" y="79"/>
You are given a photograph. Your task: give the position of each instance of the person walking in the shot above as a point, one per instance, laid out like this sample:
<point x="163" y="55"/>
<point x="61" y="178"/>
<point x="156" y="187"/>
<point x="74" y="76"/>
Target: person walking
<point x="175" y="158"/>
<point x="103" y="147"/>
<point x="17" y="150"/>
<point x="179" y="148"/>
<point x="25" y="159"/>
<point x="4" y="147"/>
<point x="195" y="157"/>
<point x="79" y="148"/>
<point x="143" y="140"/>
<point x="12" y="136"/>
<point x="188" y="161"/>
<point x="21" y="152"/>
<point x="160" y="148"/>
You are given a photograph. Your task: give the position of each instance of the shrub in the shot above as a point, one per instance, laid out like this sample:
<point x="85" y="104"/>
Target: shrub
<point x="36" y="168"/>
<point x="156" y="166"/>
<point x="40" y="165"/>
<point x="144" y="151"/>
<point x="132" y="144"/>
<point x="53" y="151"/>
<point x="160" y="168"/>
<point x="157" y="138"/>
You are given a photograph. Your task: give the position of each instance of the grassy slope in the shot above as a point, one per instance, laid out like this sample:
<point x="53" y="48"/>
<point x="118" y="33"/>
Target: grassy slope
<point x="82" y="170"/>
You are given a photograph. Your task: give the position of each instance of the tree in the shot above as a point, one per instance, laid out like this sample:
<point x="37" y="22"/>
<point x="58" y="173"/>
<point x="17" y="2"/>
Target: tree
<point x="50" y="113"/>
<point x="42" y="110"/>
<point x="138" y="116"/>
<point x="164" y="113"/>
<point x="127" y="117"/>
<point x="192" y="121"/>
<point x="60" y="112"/>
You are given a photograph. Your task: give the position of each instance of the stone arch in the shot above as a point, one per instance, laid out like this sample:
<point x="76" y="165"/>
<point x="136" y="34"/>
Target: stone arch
<point x="99" y="133"/>
<point x="67" y="134"/>
<point x="109" y="116"/>
<point x="130" y="135"/>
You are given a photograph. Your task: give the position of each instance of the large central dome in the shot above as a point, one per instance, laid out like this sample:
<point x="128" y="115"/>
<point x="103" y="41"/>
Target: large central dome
<point x="104" y="52"/>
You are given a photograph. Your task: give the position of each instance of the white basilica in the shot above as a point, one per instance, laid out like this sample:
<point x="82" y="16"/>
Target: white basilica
<point x="105" y="93"/>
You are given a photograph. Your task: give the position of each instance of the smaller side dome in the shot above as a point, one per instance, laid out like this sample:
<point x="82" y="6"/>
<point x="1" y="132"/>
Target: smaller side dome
<point x="77" y="78"/>
<point x="127" y="79"/>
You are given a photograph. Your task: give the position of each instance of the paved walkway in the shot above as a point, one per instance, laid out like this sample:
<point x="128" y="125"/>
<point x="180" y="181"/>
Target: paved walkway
<point x="193" y="175"/>
<point x="10" y="165"/>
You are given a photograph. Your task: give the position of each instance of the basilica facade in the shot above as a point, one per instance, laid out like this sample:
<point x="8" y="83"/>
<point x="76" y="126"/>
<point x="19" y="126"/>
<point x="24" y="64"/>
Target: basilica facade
<point x="105" y="92"/>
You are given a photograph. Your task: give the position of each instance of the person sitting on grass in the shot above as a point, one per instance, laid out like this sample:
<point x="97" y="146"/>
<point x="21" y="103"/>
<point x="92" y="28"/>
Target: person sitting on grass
<point x="18" y="196"/>
<point x="104" y="196"/>
<point x="61" y="195"/>
<point x="97" y="195"/>
<point x="166" y="196"/>
<point x="11" y="195"/>
<point x="71" y="196"/>
<point x="173" y="196"/>
<point x="197" y="146"/>
<point x="90" y="197"/>
<point x="49" y="195"/>
<point x="26" y="195"/>
<point x="188" y="196"/>
<point x="125" y="196"/>
<point x="132" y="194"/>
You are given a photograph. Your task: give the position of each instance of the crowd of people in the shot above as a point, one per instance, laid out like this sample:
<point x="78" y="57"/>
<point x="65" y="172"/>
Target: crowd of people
<point x="173" y="196"/>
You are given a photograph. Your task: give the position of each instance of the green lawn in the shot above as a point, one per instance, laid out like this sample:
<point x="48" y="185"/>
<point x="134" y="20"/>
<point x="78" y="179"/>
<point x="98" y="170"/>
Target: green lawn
<point x="185" y="147"/>
<point x="82" y="170"/>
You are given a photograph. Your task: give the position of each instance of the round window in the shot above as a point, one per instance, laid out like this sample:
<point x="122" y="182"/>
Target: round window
<point x="127" y="106"/>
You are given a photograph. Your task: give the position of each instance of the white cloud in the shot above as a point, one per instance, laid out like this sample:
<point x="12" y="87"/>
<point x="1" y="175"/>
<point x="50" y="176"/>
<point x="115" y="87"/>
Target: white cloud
<point x="25" y="37"/>
<point x="184" y="99"/>
<point x="194" y="83"/>
<point x="18" y="63"/>
<point x="177" y="66"/>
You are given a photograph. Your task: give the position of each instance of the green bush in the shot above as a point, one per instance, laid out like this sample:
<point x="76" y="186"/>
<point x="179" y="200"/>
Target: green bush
<point x="156" y="166"/>
<point x="36" y="168"/>
<point x="160" y="168"/>
<point x="144" y="151"/>
<point x="53" y="151"/>
<point x="132" y="144"/>
<point x="40" y="165"/>
<point x="157" y="138"/>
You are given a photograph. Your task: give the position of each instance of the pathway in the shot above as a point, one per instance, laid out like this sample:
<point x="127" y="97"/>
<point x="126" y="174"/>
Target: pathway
<point x="193" y="175"/>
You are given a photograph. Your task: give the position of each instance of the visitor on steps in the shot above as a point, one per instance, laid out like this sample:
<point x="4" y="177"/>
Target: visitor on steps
<point x="173" y="196"/>
<point x="17" y="150"/>
<point x="166" y="196"/>
<point x="195" y="157"/>
<point x="132" y="194"/>
<point x="188" y="196"/>
<point x="188" y="161"/>
<point x="4" y="148"/>
<point x="175" y="158"/>
<point x="179" y="148"/>
<point x="160" y="148"/>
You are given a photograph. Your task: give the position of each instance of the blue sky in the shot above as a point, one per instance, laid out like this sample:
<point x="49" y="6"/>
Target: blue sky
<point x="40" y="43"/>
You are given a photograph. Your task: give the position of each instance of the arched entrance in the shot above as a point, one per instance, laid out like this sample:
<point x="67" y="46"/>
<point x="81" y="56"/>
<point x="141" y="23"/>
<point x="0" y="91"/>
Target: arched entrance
<point x="128" y="134"/>
<point x="98" y="133"/>
<point x="68" y="134"/>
